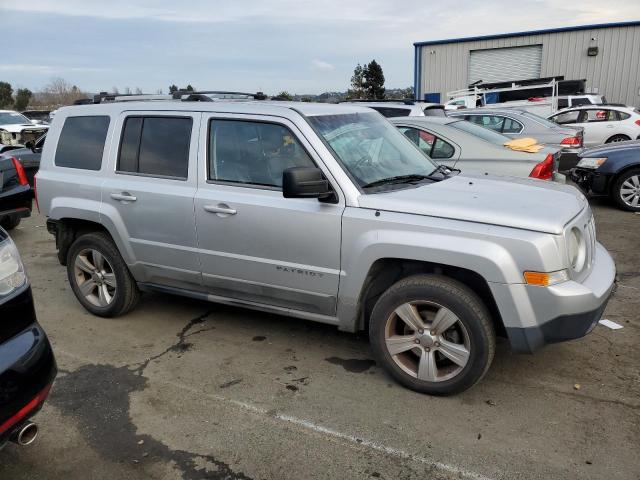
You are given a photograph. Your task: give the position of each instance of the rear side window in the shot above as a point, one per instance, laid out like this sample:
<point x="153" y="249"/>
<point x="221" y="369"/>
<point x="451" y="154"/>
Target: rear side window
<point x="511" y="126"/>
<point x="156" y="146"/>
<point x="81" y="142"/>
<point x="594" y="116"/>
<point x="434" y="112"/>
<point x="622" y="115"/>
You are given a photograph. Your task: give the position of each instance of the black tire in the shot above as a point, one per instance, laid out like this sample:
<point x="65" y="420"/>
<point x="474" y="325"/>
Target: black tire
<point x="460" y="300"/>
<point x="616" y="190"/>
<point x="126" y="293"/>
<point x="10" y="222"/>
<point x="617" y="138"/>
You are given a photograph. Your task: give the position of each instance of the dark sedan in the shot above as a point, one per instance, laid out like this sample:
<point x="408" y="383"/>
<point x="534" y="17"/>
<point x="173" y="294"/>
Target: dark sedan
<point x="15" y="192"/>
<point x="27" y="365"/>
<point x="612" y="170"/>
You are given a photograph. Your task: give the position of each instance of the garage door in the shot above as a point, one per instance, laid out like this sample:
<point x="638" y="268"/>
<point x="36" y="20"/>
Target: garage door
<point x="503" y="64"/>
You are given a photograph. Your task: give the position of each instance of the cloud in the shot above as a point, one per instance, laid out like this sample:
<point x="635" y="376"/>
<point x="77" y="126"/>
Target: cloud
<point x="322" y="66"/>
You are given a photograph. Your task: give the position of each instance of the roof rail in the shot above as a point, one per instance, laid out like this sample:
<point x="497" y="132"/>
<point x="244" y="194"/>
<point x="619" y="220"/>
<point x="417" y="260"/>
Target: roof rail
<point x="182" y="95"/>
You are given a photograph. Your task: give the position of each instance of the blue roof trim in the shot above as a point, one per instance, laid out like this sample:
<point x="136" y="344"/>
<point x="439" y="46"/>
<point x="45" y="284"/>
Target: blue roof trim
<point x="531" y="32"/>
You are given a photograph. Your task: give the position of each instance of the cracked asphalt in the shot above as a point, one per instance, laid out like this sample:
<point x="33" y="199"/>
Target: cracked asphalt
<point x="182" y="389"/>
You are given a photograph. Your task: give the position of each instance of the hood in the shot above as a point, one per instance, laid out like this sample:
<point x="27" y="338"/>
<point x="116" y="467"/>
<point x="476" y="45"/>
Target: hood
<point x="20" y="127"/>
<point x="522" y="203"/>
<point x="611" y="147"/>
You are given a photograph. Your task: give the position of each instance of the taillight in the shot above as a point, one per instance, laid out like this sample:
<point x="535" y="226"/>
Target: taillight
<point x="26" y="410"/>
<point x="572" y="141"/>
<point x="22" y="176"/>
<point x="638" y="122"/>
<point x="543" y="170"/>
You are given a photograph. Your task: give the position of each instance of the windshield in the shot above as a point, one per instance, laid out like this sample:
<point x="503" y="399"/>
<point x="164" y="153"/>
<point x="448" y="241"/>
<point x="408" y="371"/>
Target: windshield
<point x="539" y="119"/>
<point x="485" y="134"/>
<point x="9" y="118"/>
<point x="371" y="148"/>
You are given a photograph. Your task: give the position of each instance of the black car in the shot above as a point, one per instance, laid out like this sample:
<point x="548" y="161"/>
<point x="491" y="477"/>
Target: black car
<point x="612" y="170"/>
<point x="27" y="364"/>
<point x="15" y="192"/>
<point x="29" y="157"/>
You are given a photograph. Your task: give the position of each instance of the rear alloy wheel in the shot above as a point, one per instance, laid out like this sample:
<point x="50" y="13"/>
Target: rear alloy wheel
<point x="626" y="191"/>
<point x="433" y="334"/>
<point x="618" y="138"/>
<point x="99" y="276"/>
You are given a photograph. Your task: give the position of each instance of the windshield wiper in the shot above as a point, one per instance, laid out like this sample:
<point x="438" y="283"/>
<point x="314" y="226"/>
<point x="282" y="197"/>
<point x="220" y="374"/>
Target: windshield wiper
<point x="445" y="170"/>
<point x="400" y="179"/>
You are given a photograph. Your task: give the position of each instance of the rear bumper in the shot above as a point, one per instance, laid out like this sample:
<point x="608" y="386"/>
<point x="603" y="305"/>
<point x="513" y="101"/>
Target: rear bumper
<point x="562" y="312"/>
<point x="27" y="366"/>
<point x="16" y="201"/>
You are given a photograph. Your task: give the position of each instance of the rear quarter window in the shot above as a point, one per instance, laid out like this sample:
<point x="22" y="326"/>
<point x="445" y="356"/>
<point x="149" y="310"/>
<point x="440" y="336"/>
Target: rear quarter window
<point x="81" y="142"/>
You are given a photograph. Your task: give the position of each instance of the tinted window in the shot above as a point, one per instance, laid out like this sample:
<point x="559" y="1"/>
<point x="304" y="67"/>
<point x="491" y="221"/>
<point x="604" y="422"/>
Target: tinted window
<point x="393" y="112"/>
<point x="566" y="117"/>
<point x="434" y="112"/>
<point x="253" y="153"/>
<point x="81" y="142"/>
<point x="563" y="103"/>
<point x="622" y="115"/>
<point x="511" y="126"/>
<point x="575" y="102"/>
<point x="424" y="140"/>
<point x="442" y="149"/>
<point x="156" y="146"/>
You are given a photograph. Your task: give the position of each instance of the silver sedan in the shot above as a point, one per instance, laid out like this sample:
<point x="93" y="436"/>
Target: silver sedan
<point x="460" y="144"/>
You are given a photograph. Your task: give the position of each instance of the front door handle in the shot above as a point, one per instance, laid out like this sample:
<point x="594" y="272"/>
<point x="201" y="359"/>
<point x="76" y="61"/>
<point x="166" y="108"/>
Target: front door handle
<point x="124" y="197"/>
<point x="222" y="209"/>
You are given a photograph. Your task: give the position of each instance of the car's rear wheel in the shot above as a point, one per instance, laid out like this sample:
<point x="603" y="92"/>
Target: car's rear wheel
<point x="10" y="222"/>
<point x="618" y="138"/>
<point x="626" y="190"/>
<point x="433" y="334"/>
<point x="99" y="277"/>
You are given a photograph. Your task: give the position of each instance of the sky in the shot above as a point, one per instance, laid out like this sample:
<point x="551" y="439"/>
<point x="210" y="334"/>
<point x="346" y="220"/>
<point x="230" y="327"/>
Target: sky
<point x="300" y="46"/>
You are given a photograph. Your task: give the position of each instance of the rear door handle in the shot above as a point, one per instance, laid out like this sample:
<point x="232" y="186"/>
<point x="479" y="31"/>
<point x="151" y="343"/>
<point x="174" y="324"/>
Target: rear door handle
<point x="221" y="209"/>
<point x="124" y="197"/>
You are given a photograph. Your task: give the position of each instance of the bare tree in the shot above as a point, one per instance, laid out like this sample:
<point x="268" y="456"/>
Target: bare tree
<point x="127" y="91"/>
<point x="138" y="91"/>
<point x="58" y="92"/>
<point x="115" y="90"/>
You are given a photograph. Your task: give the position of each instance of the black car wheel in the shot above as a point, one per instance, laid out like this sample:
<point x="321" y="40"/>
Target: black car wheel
<point x="618" y="138"/>
<point x="99" y="276"/>
<point x="626" y="190"/>
<point x="10" y="222"/>
<point x="433" y="334"/>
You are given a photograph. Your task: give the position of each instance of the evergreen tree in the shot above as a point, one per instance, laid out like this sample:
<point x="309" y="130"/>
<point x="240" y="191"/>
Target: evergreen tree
<point x="374" y="81"/>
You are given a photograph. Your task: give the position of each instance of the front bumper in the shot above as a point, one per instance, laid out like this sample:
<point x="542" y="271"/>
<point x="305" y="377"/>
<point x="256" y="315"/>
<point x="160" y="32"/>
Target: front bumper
<point x="565" y="311"/>
<point x="590" y="180"/>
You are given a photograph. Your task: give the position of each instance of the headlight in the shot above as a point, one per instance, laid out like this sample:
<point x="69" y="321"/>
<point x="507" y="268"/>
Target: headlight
<point x="591" y="162"/>
<point x="577" y="249"/>
<point x="12" y="275"/>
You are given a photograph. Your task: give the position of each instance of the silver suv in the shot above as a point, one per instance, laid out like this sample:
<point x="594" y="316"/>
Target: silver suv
<point x="324" y="213"/>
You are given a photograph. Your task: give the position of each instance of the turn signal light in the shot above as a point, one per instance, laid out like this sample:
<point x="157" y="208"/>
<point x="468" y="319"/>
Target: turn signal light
<point x="543" y="170"/>
<point x="544" y="279"/>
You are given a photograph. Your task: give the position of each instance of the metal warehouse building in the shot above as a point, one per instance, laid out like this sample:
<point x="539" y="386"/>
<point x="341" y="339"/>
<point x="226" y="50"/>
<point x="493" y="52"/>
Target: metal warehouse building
<point x="606" y="55"/>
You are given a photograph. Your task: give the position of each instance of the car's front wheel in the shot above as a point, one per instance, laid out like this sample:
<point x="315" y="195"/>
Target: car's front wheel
<point x="626" y="190"/>
<point x="99" y="276"/>
<point x="433" y="334"/>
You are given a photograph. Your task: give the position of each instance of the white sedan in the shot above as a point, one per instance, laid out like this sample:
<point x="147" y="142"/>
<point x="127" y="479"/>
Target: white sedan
<point x="602" y="123"/>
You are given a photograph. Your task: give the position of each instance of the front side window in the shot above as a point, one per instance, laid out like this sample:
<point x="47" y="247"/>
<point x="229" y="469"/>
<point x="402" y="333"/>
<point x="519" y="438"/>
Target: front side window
<point x="370" y="148"/>
<point x="81" y="142"/>
<point x="156" y="146"/>
<point x="253" y="153"/>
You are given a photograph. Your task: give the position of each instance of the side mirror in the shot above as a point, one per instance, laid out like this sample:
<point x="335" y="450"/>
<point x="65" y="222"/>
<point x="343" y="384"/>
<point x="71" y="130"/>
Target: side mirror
<point x="304" y="182"/>
<point x="31" y="145"/>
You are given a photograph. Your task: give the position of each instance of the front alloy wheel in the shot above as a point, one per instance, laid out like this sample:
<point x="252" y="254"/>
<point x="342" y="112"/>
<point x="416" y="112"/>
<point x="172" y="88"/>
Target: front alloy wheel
<point x="427" y="341"/>
<point x="433" y="334"/>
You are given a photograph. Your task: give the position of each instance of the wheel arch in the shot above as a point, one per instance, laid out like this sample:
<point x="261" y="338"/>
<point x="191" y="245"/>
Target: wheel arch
<point x="619" y="173"/>
<point x="384" y="272"/>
